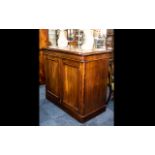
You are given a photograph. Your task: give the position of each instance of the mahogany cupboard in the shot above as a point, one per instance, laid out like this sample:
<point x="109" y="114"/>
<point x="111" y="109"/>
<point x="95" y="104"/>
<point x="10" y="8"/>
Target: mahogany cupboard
<point x="77" y="80"/>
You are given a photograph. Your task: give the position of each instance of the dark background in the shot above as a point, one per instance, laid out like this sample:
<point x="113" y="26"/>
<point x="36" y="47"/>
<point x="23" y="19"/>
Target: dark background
<point x="134" y="77"/>
<point x="19" y="77"/>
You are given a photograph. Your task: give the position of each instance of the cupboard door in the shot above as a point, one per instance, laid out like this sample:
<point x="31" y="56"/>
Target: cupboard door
<point x="71" y="84"/>
<point x="53" y="77"/>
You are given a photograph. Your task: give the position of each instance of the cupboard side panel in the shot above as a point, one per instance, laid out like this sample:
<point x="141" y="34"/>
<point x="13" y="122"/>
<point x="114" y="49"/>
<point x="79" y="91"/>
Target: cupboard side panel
<point x="95" y="85"/>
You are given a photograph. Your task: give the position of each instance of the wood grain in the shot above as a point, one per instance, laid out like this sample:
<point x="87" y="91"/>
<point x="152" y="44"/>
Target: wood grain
<point x="43" y="43"/>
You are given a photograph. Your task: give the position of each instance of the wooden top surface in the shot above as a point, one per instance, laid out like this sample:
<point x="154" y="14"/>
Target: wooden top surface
<point x="78" y="51"/>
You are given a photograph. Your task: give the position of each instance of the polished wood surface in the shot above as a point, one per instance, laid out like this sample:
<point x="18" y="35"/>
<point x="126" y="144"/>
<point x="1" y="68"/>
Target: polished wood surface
<point x="43" y="38"/>
<point x="95" y="84"/>
<point x="70" y="84"/>
<point x="43" y="43"/>
<point x="77" y="80"/>
<point x="52" y="82"/>
<point x="77" y="51"/>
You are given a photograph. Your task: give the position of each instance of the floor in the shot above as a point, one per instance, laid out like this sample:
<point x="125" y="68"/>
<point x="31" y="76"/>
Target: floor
<point x="51" y="115"/>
